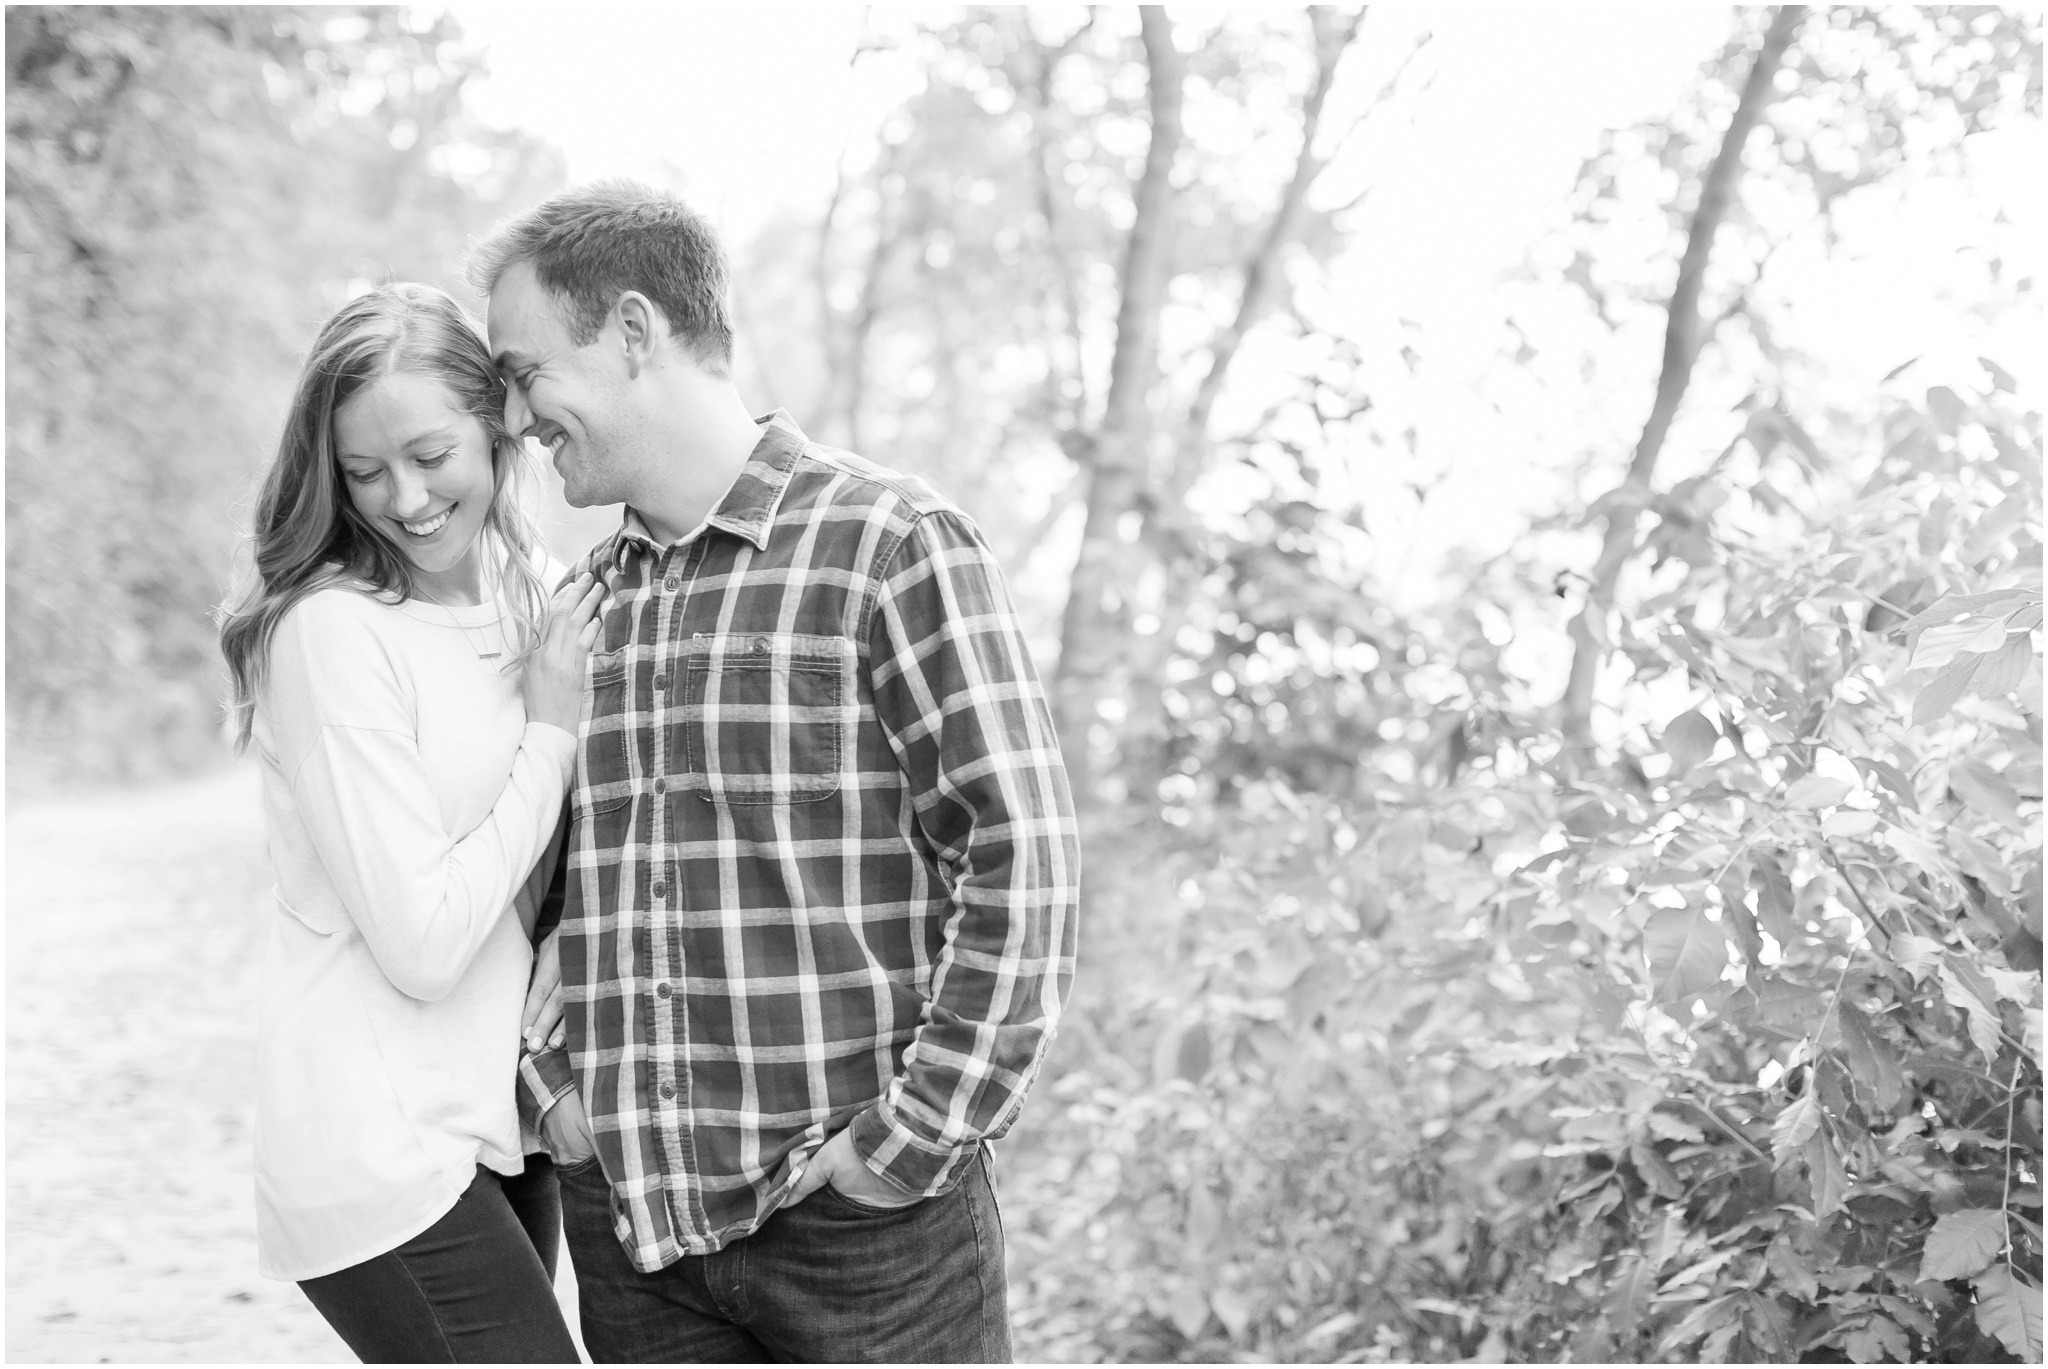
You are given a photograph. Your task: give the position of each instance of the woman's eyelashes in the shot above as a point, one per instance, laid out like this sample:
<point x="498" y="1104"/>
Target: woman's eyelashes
<point x="425" y="463"/>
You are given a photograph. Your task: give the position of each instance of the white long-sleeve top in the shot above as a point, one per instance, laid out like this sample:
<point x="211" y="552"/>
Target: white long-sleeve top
<point x="408" y="799"/>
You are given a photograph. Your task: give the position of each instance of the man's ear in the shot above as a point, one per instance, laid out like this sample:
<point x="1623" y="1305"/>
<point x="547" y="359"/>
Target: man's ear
<point x="641" y="328"/>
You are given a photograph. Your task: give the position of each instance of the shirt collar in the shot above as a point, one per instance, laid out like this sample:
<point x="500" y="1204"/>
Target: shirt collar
<point x="748" y="509"/>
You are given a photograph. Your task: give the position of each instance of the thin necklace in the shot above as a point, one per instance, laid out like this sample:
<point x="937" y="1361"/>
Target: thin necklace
<point x="474" y="645"/>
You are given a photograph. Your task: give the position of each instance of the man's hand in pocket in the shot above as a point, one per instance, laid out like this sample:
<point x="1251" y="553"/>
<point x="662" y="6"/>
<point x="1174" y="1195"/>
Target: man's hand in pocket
<point x="567" y="1131"/>
<point x="838" y="1164"/>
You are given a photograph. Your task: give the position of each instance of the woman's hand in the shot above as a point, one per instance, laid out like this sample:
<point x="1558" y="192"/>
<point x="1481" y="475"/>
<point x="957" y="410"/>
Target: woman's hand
<point x="553" y="682"/>
<point x="540" y="1026"/>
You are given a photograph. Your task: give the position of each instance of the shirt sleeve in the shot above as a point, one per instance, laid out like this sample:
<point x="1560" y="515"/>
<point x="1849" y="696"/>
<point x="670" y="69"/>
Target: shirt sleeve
<point x="961" y="704"/>
<point x="425" y="899"/>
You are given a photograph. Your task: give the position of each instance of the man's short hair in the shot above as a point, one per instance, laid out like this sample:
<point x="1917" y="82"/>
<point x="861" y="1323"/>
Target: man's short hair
<point x="590" y="245"/>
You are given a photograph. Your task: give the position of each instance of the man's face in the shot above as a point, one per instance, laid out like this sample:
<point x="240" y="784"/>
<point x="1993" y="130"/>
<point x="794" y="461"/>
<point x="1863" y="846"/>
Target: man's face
<point x="572" y="399"/>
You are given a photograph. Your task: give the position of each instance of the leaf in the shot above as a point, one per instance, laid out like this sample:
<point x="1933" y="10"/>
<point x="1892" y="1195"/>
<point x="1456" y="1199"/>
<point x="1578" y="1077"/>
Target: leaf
<point x="1893" y="779"/>
<point x="1872" y="1065"/>
<point x="1815" y="791"/>
<point x="1950" y="607"/>
<point x="1686" y="951"/>
<point x="1794" y="1127"/>
<point x="1232" y="1308"/>
<point x="1774" y="902"/>
<point x="2001" y="379"/>
<point x="1330" y="1328"/>
<point x="1672" y="1128"/>
<point x="2010" y="1309"/>
<point x="1985" y="790"/>
<point x="1895" y="604"/>
<point x="1878" y="1341"/>
<point x="1574" y="1257"/>
<point x="1918" y="849"/>
<point x="1656" y="1171"/>
<point x="1947" y="407"/>
<point x="1941" y="643"/>
<point x="1963" y="1243"/>
<point x="1689" y="739"/>
<point x="1824" y="1173"/>
<point x="2005" y="670"/>
<point x="1628" y="1297"/>
<point x="1740" y="923"/>
<point x="1918" y="956"/>
<point x="1793" y="1270"/>
<point x="1994" y="527"/>
<point x="1849" y="822"/>
<point x="1188" y="1310"/>
<point x="1936" y="698"/>
<point x="1983" y="1022"/>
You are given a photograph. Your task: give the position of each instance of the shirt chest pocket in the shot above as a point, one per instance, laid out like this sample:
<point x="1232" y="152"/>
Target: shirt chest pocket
<point x="766" y="715"/>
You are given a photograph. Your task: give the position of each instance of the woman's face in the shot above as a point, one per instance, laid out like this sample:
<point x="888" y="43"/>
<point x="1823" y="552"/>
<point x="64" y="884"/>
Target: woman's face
<point x="418" y="467"/>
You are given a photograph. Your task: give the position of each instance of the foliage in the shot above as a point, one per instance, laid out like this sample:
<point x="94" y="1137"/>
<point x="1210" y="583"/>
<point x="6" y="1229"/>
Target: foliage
<point x="188" y="191"/>
<point x="1732" y="1055"/>
<point x="1445" y="1045"/>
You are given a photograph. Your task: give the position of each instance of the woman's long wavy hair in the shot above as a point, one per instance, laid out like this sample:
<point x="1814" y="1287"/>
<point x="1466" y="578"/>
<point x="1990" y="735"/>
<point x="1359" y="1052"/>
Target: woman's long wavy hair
<point x="307" y="533"/>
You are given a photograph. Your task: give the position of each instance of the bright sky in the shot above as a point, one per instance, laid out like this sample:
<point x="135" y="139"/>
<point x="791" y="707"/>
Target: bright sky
<point x="751" y="103"/>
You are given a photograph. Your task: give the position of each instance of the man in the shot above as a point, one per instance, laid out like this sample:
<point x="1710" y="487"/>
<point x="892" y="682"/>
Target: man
<point x="822" y="872"/>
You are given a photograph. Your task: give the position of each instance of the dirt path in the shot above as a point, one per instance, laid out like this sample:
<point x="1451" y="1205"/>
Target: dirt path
<point x="134" y="940"/>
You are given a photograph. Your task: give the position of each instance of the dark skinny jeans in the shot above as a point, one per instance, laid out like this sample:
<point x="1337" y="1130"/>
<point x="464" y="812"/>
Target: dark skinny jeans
<point x="476" y="1287"/>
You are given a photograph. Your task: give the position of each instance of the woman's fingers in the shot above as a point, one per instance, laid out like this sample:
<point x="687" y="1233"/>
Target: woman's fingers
<point x="547" y="1027"/>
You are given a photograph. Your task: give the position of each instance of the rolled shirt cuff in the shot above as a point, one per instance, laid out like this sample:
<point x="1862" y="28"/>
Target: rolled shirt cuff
<point x="543" y="1079"/>
<point x="904" y="1158"/>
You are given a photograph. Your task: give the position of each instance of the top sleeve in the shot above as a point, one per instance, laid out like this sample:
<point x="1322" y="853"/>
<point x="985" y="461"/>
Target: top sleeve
<point x="343" y="719"/>
<point x="957" y="695"/>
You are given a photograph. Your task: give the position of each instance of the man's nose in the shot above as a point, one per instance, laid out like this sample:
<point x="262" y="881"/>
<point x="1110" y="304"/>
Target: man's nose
<point x="518" y="418"/>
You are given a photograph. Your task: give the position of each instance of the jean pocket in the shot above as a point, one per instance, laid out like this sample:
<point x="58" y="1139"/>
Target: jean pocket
<point x="766" y="715"/>
<point x="581" y="1170"/>
<point x="860" y="1209"/>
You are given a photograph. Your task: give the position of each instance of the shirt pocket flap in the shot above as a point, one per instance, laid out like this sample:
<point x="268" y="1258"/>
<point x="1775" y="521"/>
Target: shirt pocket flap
<point x="766" y="715"/>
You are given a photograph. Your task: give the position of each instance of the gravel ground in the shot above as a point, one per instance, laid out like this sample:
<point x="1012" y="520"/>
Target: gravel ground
<point x="134" y="942"/>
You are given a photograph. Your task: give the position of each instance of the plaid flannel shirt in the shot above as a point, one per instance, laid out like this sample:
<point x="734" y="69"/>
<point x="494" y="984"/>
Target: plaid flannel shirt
<point x="823" y="867"/>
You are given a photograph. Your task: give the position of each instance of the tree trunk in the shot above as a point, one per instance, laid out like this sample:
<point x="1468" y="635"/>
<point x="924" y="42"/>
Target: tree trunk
<point x="1683" y="339"/>
<point x="1094" y="631"/>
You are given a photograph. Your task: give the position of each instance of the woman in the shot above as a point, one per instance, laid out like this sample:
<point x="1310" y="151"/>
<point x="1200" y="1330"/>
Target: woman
<point x="413" y="699"/>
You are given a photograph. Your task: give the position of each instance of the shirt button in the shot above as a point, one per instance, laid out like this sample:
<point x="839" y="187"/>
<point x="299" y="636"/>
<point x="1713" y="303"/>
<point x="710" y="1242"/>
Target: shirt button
<point x="661" y="786"/>
<point x="672" y="584"/>
<point x="760" y="646"/>
<point x="661" y="990"/>
<point x="668" y="1090"/>
<point x="660" y="683"/>
<point x="660" y="889"/>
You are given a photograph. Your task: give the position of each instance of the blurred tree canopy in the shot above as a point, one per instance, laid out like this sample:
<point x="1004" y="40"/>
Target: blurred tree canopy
<point x="189" y="191"/>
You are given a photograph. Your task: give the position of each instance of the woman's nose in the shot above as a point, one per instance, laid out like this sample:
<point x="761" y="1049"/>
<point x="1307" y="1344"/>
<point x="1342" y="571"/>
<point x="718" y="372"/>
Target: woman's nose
<point x="409" y="496"/>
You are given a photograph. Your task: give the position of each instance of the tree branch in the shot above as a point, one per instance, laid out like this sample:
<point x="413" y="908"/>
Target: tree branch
<point x="1683" y="339"/>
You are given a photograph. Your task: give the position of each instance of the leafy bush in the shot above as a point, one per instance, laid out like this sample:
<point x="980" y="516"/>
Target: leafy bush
<point x="1729" y="1050"/>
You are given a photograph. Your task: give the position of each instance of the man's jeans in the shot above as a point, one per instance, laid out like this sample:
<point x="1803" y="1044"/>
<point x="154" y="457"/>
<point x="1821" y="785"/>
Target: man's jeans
<point x="827" y="1279"/>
